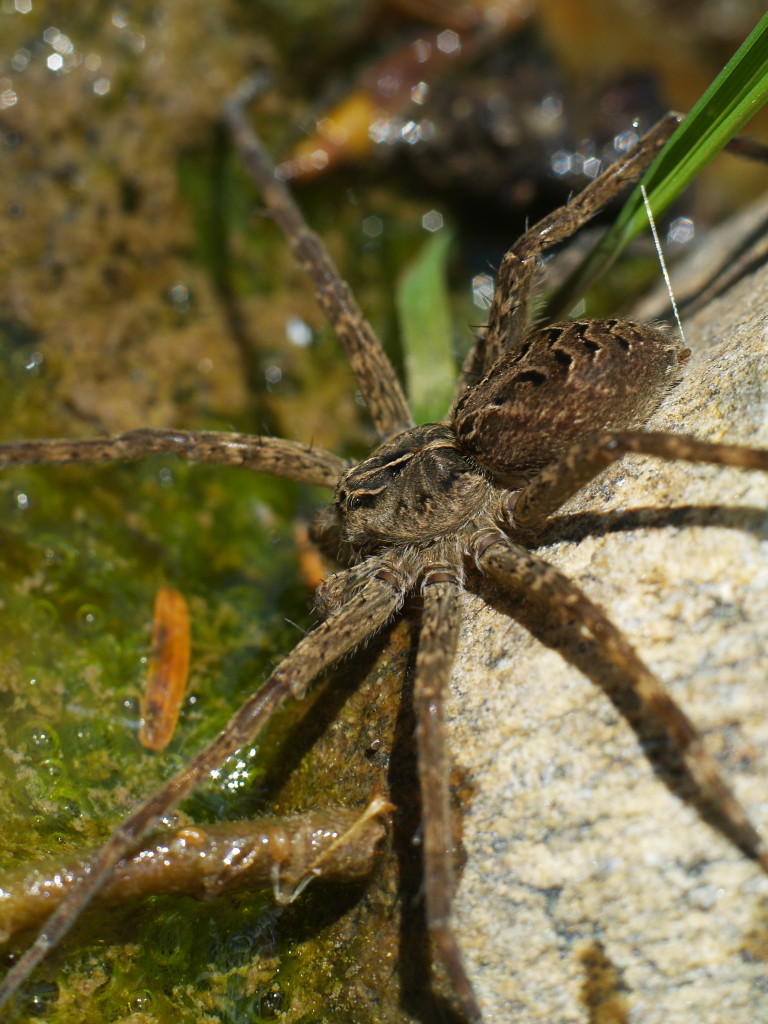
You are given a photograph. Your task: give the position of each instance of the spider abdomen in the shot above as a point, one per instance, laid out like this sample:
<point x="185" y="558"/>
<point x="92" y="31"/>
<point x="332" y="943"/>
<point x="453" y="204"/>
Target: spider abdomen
<point x="564" y="384"/>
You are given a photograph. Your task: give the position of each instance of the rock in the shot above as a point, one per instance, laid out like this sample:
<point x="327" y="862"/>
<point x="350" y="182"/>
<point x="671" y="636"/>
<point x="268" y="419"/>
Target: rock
<point x="592" y="891"/>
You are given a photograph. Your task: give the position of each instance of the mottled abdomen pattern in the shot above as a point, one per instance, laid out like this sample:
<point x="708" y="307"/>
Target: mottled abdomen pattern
<point x="564" y="384"/>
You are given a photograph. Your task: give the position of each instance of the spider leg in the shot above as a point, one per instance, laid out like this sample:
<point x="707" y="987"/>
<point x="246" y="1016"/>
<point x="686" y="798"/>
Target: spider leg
<point x="523" y="573"/>
<point x="509" y="315"/>
<point x="289" y="459"/>
<point x="555" y="484"/>
<point x="366" y="611"/>
<point x="437" y="647"/>
<point x="373" y="370"/>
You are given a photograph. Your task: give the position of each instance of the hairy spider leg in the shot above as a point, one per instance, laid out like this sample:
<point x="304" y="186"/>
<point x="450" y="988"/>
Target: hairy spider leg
<point x="377" y="379"/>
<point x="509" y="316"/>
<point x="554" y="485"/>
<point x="521" y="572"/>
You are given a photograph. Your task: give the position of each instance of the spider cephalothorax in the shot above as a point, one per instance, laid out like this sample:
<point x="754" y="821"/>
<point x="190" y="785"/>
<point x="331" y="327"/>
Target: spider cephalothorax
<point x="534" y="418"/>
<point x="417" y="487"/>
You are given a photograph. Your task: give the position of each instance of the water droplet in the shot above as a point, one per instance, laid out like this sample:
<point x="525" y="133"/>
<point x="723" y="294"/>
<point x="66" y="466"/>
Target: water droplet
<point x="270" y="1005"/>
<point x="89" y="617"/>
<point x="432" y="220"/>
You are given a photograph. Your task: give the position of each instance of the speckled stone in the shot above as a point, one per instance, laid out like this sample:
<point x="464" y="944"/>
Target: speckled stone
<point x="592" y="892"/>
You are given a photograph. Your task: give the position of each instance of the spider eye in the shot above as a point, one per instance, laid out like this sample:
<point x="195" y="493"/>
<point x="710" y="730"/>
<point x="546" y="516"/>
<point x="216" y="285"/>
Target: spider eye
<point x="362" y="501"/>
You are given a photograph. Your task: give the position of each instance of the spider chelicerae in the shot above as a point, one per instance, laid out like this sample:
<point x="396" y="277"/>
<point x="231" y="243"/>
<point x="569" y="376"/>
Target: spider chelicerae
<point x="535" y="418"/>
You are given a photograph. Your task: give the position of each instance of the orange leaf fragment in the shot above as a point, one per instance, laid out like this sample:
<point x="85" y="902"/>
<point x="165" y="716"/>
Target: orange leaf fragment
<point x="168" y="669"/>
<point x="312" y="568"/>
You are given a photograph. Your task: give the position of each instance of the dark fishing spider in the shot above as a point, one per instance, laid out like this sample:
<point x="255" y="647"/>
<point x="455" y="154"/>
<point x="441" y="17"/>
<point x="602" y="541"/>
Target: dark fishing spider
<point x="534" y="419"/>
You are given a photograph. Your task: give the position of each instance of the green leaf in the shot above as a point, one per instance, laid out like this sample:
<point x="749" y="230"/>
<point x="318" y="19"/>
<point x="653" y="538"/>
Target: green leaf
<point x="425" y="323"/>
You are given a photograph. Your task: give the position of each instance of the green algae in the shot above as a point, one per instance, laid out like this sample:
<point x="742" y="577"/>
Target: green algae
<point x="75" y="640"/>
<point x="96" y="337"/>
<point x="71" y="763"/>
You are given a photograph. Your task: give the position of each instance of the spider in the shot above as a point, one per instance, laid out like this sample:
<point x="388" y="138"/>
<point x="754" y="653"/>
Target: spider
<point x="435" y="508"/>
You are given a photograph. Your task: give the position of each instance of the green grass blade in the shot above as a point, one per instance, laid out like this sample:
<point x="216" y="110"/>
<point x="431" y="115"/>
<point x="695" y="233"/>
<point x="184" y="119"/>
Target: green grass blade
<point x="731" y="100"/>
<point x="425" y="324"/>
